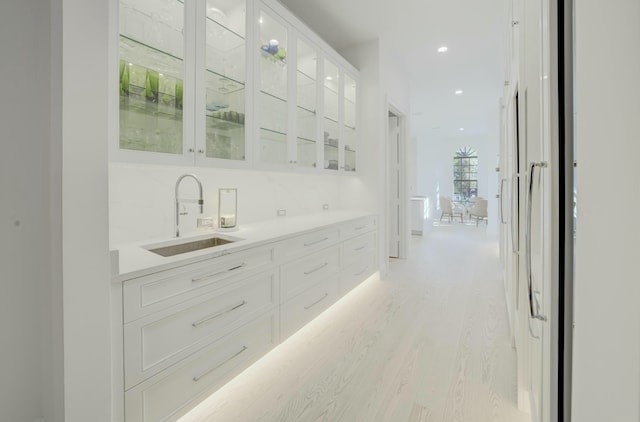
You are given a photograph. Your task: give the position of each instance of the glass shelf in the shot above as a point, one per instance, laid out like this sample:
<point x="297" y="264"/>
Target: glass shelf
<point x="281" y="135"/>
<point x="223" y="84"/>
<point x="273" y="146"/>
<point x="223" y="39"/>
<point x="273" y="96"/>
<point x="135" y="52"/>
<point x="224" y="124"/>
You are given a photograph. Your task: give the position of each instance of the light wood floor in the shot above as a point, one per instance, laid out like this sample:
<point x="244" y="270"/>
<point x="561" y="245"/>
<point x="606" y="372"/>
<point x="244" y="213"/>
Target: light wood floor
<point x="428" y="343"/>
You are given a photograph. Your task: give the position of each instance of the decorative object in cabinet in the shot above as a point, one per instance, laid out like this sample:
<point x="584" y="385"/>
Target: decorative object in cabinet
<point x="272" y="101"/>
<point x="151" y="76"/>
<point x="331" y="115"/>
<point x="306" y="146"/>
<point x="225" y="75"/>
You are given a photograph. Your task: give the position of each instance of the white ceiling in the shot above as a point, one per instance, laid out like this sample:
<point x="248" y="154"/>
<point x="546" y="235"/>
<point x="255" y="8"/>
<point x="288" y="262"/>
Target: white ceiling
<point x="472" y="29"/>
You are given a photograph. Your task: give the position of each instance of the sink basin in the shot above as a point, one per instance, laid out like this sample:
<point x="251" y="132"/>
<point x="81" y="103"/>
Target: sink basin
<point x="173" y="248"/>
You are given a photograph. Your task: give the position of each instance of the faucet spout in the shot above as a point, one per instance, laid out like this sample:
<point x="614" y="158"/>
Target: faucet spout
<point x="179" y="200"/>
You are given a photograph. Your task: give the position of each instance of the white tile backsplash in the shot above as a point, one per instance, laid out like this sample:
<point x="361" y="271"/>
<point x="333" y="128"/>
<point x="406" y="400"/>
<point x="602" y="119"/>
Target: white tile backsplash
<point x="142" y="207"/>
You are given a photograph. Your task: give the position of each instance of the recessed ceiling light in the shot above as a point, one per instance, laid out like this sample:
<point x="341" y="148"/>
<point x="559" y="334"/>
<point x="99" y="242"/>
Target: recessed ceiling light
<point x="261" y="20"/>
<point x="459" y="92"/>
<point x="329" y="78"/>
<point x="443" y="49"/>
<point x="461" y="129"/>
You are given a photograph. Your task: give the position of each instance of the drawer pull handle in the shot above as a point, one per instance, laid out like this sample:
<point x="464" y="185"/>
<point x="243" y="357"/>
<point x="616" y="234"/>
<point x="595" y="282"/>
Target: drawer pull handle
<point x="208" y="371"/>
<point x="316" y="242"/>
<point x="363" y="271"/>
<point x="317" y="301"/>
<point x="360" y="248"/>
<point x="360" y="227"/>
<point x="316" y="269"/>
<point x="218" y="314"/>
<point x="208" y="276"/>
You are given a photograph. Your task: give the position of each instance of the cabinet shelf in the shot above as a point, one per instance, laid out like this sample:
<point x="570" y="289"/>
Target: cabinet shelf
<point x="220" y="123"/>
<point x="302" y="108"/>
<point x="306" y="140"/>
<point x="229" y="40"/>
<point x="223" y="84"/>
<point x="308" y="80"/>
<point x="272" y="96"/>
<point x="275" y="132"/>
<point x="136" y="52"/>
<point x="331" y="119"/>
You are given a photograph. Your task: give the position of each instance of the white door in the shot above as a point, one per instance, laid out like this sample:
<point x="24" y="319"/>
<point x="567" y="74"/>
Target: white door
<point x="394" y="186"/>
<point x="540" y="252"/>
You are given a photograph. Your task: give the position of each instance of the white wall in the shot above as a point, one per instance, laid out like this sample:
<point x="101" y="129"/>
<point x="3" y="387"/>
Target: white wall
<point x="142" y="207"/>
<point x="606" y="364"/>
<point x="25" y="309"/>
<point x="84" y="237"/>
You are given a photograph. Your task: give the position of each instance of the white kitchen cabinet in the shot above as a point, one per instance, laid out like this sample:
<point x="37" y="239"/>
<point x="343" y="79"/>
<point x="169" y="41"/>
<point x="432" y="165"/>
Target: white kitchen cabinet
<point x="159" y="340"/>
<point x="297" y="312"/>
<point x="169" y="394"/>
<point x="187" y="328"/>
<point x="236" y="83"/>
<point x="183" y="91"/>
<point x="145" y="295"/>
<point x="301" y="274"/>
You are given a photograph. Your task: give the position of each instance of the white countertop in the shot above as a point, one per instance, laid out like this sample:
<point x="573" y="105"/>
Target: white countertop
<point x="135" y="261"/>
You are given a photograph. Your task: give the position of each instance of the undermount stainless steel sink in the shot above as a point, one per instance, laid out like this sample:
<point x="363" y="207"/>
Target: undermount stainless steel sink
<point x="190" y="246"/>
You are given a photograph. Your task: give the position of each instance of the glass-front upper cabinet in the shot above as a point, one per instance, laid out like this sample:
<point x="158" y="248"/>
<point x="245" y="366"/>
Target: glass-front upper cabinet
<point x="152" y="70"/>
<point x="225" y="76"/>
<point x="306" y="102"/>
<point x="272" y="89"/>
<point x="349" y="131"/>
<point x="331" y="115"/>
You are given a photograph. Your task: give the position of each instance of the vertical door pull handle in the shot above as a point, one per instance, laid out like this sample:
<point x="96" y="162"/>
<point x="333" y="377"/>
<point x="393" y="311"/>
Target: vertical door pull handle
<point x="534" y="310"/>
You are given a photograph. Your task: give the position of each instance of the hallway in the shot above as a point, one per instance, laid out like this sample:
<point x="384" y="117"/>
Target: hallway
<point x="429" y="343"/>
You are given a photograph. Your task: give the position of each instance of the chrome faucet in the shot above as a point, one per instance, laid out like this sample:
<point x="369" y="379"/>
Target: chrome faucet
<point x="192" y="201"/>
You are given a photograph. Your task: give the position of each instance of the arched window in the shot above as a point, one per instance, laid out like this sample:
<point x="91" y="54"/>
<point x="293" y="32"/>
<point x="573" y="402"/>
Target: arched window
<point x="465" y="173"/>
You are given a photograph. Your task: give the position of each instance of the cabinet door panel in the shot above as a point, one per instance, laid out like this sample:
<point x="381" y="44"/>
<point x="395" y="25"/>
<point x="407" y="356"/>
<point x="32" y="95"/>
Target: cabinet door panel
<point x="303" y="273"/>
<point x="148" y="294"/>
<point x="225" y="80"/>
<point x="172" y="392"/>
<point x="151" y="76"/>
<point x="161" y="339"/>
<point x="298" y="311"/>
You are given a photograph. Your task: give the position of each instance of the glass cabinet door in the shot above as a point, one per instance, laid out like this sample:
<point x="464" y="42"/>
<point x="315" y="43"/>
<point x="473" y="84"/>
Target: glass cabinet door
<point x="272" y="89"/>
<point x="225" y="79"/>
<point x="151" y="76"/>
<point x="331" y="114"/>
<point x="306" y="124"/>
<point x="349" y="132"/>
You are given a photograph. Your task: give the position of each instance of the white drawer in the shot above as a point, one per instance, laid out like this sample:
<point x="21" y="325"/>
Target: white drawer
<point x="301" y="274"/>
<point x="357" y="227"/>
<point x="358" y="247"/>
<point x="157" y="341"/>
<point x="145" y="295"/>
<point x="308" y="243"/>
<point x="173" y="392"/>
<point x="357" y="272"/>
<point x="298" y="311"/>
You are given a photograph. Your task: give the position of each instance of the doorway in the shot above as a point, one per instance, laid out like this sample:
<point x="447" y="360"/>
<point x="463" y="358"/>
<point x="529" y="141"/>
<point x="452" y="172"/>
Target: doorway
<point x="397" y="198"/>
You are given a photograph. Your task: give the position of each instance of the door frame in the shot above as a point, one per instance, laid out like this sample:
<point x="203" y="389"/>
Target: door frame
<point x="403" y="213"/>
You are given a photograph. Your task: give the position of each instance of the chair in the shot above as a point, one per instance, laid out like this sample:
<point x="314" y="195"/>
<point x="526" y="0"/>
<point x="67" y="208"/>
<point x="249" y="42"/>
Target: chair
<point x="479" y="211"/>
<point x="448" y="209"/>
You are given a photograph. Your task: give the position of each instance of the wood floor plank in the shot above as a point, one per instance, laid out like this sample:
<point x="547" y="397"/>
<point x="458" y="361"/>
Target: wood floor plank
<point x="430" y="342"/>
